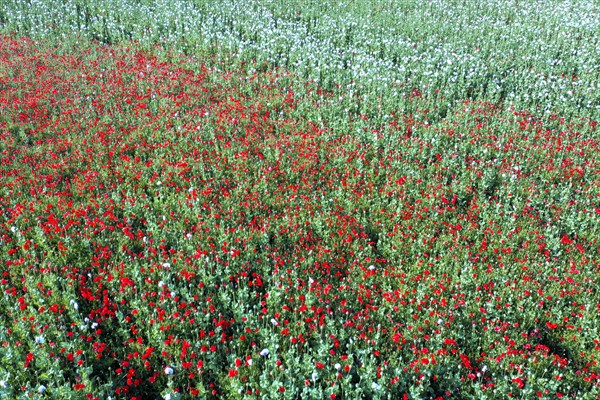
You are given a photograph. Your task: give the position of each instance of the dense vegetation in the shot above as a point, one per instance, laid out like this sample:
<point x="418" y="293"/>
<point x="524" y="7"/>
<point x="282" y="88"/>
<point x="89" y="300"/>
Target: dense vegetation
<point x="360" y="199"/>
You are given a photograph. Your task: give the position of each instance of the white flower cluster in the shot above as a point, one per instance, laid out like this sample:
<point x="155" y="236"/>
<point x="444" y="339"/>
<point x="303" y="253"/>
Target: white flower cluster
<point x="514" y="50"/>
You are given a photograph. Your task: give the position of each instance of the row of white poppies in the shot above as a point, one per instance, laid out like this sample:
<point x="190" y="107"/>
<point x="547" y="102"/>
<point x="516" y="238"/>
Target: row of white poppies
<point x="523" y="52"/>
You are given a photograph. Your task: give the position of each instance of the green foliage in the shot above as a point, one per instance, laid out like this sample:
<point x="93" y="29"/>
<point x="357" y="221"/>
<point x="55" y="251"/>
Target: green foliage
<point x="183" y="217"/>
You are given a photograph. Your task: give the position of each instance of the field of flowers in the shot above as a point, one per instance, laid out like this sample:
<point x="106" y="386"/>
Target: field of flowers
<point x="287" y="200"/>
